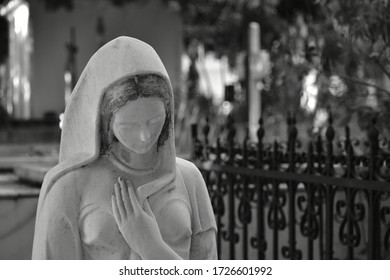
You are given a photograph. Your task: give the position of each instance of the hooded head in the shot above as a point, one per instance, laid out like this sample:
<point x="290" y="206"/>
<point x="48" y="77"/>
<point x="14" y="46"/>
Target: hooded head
<point x="146" y="119"/>
<point x="121" y="71"/>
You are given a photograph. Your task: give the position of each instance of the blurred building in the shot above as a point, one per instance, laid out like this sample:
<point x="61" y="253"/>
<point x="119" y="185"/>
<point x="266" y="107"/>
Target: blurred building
<point x="44" y="54"/>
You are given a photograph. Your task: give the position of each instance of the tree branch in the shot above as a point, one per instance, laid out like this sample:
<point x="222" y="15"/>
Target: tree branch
<point x="360" y="82"/>
<point x="376" y="60"/>
<point x="381" y="66"/>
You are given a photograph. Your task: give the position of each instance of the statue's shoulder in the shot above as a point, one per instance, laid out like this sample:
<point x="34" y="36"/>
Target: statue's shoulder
<point x="59" y="192"/>
<point x="70" y="177"/>
<point x="76" y="179"/>
<point x="189" y="171"/>
<point x="186" y="165"/>
<point x="82" y="172"/>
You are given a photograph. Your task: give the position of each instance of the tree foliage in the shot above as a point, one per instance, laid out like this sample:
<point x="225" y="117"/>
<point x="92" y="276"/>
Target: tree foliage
<point x="357" y="49"/>
<point x="346" y="41"/>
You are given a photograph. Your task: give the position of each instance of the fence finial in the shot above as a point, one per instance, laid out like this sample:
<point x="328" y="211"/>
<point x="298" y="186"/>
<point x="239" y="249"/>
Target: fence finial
<point x="247" y="132"/>
<point x="330" y="115"/>
<point x="347" y="132"/>
<point x="206" y="130"/>
<point x="292" y="129"/>
<point x="310" y="158"/>
<point x="347" y="142"/>
<point x="218" y="150"/>
<point x="373" y="132"/>
<point x="231" y="129"/>
<point x="330" y="133"/>
<point x="289" y="118"/>
<point x="245" y="146"/>
<point x="194" y="138"/>
<point x="194" y="130"/>
<point x="260" y="131"/>
<point x="373" y="135"/>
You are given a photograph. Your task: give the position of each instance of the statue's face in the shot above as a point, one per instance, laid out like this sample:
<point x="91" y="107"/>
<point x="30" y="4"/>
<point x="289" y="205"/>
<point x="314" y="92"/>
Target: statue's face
<point x="138" y="124"/>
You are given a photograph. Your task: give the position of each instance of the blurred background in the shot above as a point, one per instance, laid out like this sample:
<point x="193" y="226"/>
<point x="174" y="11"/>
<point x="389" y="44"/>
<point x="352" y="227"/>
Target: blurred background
<point x="242" y="59"/>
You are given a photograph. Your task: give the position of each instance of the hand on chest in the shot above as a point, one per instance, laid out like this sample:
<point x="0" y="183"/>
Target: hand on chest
<point x="170" y="207"/>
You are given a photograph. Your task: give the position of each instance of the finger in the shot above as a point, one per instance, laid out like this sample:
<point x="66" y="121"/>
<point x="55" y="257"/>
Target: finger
<point x="119" y="201"/>
<point x="115" y="210"/>
<point x="148" y="210"/>
<point x="133" y="199"/>
<point x="126" y="197"/>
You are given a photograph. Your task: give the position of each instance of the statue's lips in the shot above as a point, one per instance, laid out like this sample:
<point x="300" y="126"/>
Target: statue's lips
<point x="143" y="144"/>
<point x="142" y="147"/>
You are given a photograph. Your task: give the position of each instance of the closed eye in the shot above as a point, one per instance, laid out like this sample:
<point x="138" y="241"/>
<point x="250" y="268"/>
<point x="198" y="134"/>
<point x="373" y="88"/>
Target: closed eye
<point x="128" y="125"/>
<point x="156" y="119"/>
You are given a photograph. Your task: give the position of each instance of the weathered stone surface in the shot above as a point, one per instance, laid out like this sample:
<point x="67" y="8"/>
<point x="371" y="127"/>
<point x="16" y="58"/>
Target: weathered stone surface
<point x="119" y="192"/>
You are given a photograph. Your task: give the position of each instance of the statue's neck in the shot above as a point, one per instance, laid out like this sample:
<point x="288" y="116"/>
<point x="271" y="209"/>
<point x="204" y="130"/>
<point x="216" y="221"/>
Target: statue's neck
<point x="133" y="160"/>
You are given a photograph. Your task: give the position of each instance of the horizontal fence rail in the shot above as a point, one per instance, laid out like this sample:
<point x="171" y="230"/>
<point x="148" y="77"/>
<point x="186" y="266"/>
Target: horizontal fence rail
<point x="329" y="200"/>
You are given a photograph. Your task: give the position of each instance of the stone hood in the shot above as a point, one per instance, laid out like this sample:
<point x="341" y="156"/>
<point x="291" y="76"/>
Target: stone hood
<point x="80" y="139"/>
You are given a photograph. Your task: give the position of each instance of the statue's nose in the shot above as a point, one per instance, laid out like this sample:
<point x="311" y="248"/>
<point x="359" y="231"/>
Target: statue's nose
<point x="144" y="134"/>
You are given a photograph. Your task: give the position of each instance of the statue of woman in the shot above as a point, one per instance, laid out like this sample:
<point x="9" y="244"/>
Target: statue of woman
<point x="118" y="191"/>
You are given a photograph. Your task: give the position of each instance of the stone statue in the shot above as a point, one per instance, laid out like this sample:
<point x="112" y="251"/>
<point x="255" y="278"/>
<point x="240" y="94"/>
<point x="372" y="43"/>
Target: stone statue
<point x="118" y="191"/>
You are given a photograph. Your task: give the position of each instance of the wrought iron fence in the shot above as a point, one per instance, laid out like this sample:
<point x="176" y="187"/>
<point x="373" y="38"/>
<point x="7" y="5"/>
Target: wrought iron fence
<point x="329" y="200"/>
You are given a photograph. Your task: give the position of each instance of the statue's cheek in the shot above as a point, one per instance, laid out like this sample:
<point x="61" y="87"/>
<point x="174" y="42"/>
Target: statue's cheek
<point x="174" y="221"/>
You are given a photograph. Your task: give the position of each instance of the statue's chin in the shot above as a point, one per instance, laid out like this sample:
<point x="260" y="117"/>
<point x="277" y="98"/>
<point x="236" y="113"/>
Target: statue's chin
<point x="141" y="149"/>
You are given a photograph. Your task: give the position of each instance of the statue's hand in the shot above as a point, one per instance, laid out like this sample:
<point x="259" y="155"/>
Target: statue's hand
<point x="138" y="227"/>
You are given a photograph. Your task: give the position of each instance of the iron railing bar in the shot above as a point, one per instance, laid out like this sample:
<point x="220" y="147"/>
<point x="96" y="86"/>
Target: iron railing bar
<point x="306" y="178"/>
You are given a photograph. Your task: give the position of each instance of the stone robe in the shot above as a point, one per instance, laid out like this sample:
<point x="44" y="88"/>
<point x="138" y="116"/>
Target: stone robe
<point x="74" y="216"/>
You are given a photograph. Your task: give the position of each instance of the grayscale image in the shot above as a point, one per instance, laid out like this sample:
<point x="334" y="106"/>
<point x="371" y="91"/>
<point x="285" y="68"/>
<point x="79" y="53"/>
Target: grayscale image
<point x="194" y="130"/>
